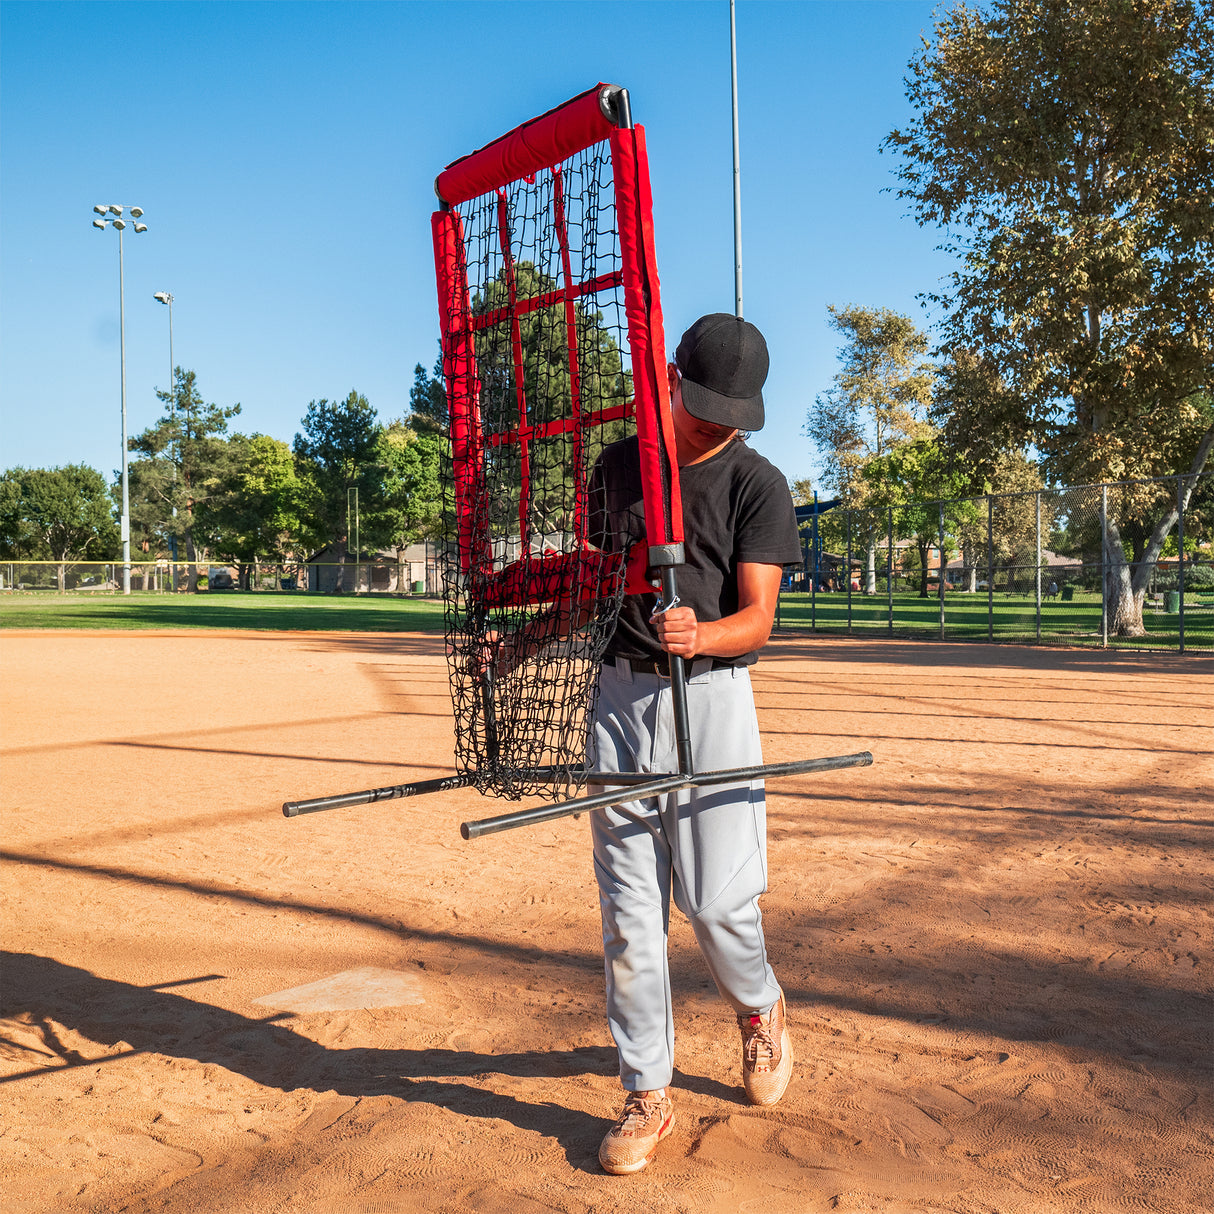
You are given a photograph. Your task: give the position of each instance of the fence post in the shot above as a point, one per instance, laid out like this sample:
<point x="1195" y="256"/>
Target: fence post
<point x="813" y="581"/>
<point x="848" y="573"/>
<point x="889" y="570"/>
<point x="990" y="567"/>
<point x="1180" y="550"/>
<point x="1104" y="566"/>
<point x="940" y="567"/>
<point x="1038" y="566"/>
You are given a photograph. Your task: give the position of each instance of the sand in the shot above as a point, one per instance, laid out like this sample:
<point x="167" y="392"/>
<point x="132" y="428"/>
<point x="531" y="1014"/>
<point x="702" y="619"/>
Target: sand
<point x="995" y="943"/>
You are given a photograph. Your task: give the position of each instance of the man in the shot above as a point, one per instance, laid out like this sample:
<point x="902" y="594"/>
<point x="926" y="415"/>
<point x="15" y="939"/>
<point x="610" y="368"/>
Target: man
<point x="706" y="848"/>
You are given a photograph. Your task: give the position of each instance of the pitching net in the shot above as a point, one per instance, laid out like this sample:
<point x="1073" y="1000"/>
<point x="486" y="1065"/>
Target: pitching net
<point x="552" y="348"/>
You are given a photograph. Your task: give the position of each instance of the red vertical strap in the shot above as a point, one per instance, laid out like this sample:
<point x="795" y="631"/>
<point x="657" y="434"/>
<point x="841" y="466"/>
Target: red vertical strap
<point x="520" y="382"/>
<point x="571" y="341"/>
<point x="647" y="339"/>
<point x="463" y="387"/>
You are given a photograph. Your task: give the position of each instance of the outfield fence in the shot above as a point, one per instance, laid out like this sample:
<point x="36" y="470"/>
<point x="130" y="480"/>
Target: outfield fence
<point x="1080" y="565"/>
<point x="368" y="577"/>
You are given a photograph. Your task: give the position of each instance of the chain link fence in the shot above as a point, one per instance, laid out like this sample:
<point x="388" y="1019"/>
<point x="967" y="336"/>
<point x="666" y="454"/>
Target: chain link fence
<point x="381" y="576"/>
<point x="1126" y="565"/>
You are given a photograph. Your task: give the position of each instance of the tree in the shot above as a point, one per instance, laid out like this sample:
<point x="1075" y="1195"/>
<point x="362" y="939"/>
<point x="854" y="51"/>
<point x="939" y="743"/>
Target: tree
<point x="1067" y="149"/>
<point x="412" y="464"/>
<point x="59" y="514"/>
<point x="428" y="400"/>
<point x="878" y="401"/>
<point x="337" y="451"/>
<point x="261" y="509"/>
<point x="186" y="460"/>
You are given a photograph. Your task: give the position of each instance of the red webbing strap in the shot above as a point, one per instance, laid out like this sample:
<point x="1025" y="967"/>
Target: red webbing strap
<point x="575" y="374"/>
<point x="524" y="151"/>
<point x="647" y="339"/>
<point x="520" y="372"/>
<point x="459" y="371"/>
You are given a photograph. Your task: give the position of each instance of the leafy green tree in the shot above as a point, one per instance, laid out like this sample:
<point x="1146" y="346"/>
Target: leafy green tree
<point x="186" y="460"/>
<point x="1067" y="149"/>
<point x="428" y="400"/>
<point x="58" y="514"/>
<point x="878" y="400"/>
<point x="412" y="463"/>
<point x="261" y="510"/>
<point x="337" y="450"/>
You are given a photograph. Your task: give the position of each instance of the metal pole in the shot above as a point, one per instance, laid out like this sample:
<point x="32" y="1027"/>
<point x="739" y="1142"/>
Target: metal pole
<point x="889" y="569"/>
<point x="813" y="585"/>
<point x="848" y="572"/>
<point x="737" y="167"/>
<point x="940" y="570"/>
<point x="1104" y="565"/>
<point x="1180" y="551"/>
<point x="125" y="521"/>
<point x="678" y="684"/>
<point x="1038" y="566"/>
<point x="990" y="567"/>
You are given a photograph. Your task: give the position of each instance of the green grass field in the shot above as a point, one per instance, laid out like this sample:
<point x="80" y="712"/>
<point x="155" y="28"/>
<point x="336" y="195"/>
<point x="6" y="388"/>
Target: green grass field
<point x="1011" y="619"/>
<point x="262" y="612"/>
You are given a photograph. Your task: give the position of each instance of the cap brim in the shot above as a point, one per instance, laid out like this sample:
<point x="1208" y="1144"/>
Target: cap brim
<point x="738" y="413"/>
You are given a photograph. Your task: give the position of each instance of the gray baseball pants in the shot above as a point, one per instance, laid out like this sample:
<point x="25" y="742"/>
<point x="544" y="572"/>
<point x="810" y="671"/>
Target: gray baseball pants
<point x="708" y="848"/>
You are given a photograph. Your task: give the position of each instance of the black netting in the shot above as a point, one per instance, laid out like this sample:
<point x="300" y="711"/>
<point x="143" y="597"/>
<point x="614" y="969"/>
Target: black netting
<point x="548" y="336"/>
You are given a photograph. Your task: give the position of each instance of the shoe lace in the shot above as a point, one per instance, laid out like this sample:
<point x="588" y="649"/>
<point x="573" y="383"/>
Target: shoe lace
<point x="758" y="1035"/>
<point x="638" y="1109"/>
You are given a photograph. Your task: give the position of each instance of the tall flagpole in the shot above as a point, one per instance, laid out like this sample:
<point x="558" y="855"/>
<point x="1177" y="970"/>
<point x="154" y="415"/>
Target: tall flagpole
<point x="737" y="167"/>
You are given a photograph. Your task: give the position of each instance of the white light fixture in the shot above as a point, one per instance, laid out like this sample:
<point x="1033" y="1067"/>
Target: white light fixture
<point x="141" y="227"/>
<point x="120" y="224"/>
<point x="136" y="212"/>
<point x="115" y="209"/>
<point x="101" y="210"/>
<point x="100" y="223"/>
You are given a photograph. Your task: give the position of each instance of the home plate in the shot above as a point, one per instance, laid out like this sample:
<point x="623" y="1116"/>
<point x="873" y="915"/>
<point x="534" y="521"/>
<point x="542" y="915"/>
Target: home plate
<point x="368" y="986"/>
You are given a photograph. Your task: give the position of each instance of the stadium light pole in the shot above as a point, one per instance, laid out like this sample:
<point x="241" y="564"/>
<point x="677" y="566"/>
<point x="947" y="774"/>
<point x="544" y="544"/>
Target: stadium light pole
<point x="165" y="297"/>
<point x="117" y="222"/>
<point x="737" y="166"/>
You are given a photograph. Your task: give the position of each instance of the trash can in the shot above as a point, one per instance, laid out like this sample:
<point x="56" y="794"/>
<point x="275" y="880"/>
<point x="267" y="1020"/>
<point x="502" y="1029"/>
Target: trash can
<point x="1068" y="593"/>
<point x="1171" y="602"/>
<point x="419" y="587"/>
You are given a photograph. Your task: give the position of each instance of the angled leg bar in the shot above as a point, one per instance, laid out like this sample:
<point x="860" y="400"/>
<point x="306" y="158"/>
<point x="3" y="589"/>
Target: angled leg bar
<point x="627" y="790"/>
<point x="553" y="775"/>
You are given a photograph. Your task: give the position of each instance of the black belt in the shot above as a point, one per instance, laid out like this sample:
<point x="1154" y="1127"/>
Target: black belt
<point x="661" y="669"/>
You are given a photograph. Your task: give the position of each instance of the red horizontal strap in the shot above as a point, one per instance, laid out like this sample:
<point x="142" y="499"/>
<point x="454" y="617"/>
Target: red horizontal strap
<point x="604" y="282"/>
<point x="535" y="145"/>
<point x="560" y="425"/>
<point x="586" y="573"/>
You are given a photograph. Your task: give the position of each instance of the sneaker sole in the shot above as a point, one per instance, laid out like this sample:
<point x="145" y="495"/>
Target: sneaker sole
<point x="627" y="1169"/>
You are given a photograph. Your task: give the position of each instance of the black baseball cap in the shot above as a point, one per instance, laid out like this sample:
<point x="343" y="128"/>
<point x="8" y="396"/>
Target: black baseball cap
<point x="723" y="361"/>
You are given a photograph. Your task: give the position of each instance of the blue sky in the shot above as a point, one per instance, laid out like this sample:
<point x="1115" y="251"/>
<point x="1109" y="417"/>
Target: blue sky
<point x="284" y="155"/>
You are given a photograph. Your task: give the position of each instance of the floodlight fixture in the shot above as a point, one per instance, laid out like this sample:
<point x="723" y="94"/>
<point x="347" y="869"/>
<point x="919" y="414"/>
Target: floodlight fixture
<point x="136" y="212"/>
<point x="100" y="223"/>
<point x="117" y="210"/>
<point x="101" y="210"/>
<point x="163" y="296"/>
<point x="120" y="224"/>
<point x="141" y="227"/>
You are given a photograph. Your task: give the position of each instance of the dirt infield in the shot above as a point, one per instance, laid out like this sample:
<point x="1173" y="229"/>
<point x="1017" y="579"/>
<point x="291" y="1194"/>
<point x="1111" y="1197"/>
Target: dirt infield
<point x="995" y="943"/>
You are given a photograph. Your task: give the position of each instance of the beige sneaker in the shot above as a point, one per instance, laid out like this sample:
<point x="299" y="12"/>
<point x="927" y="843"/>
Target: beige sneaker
<point x="766" y="1054"/>
<point x="647" y="1119"/>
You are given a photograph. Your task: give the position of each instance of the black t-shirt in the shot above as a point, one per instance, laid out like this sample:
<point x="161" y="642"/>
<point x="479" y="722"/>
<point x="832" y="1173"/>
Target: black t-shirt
<point x="736" y="509"/>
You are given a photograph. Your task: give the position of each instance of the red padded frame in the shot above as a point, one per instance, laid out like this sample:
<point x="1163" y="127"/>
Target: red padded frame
<point x="533" y="147"/>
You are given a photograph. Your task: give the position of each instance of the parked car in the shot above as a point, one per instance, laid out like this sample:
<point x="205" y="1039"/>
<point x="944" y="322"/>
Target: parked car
<point x="221" y="579"/>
